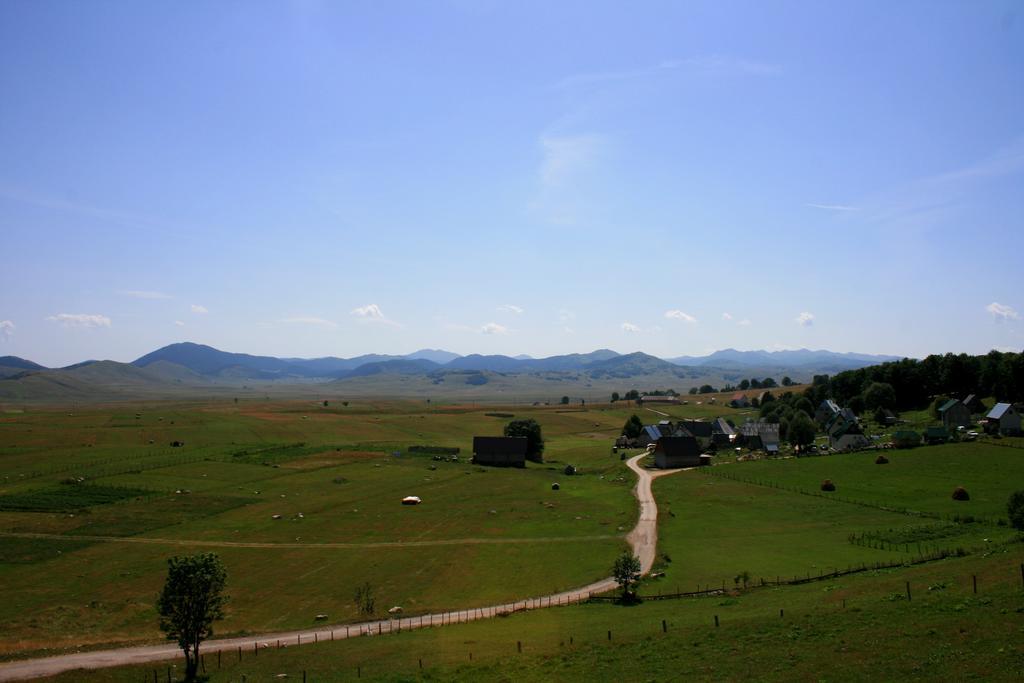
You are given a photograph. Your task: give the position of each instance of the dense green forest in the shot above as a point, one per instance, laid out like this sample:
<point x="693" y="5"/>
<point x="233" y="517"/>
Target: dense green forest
<point x="915" y="383"/>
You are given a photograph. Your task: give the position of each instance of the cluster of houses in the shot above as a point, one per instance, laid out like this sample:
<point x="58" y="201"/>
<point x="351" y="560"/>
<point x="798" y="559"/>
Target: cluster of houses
<point x="1004" y="418"/>
<point x="841" y="426"/>
<point x="686" y="443"/>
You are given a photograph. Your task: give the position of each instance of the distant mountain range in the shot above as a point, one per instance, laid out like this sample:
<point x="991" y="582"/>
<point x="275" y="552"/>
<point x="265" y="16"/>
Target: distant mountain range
<point x="201" y="367"/>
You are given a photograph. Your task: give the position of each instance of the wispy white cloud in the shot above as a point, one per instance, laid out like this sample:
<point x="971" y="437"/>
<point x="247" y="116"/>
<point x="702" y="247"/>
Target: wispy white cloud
<point x="676" y="314"/>
<point x="6" y="329"/>
<point x="144" y="294"/>
<point x="805" y="319"/>
<point x="727" y="316"/>
<point x="179" y="323"/>
<point x="301" y="320"/>
<point x="565" y="316"/>
<point x="493" y="328"/>
<point x="745" y="322"/>
<point x="511" y="308"/>
<point x="80" y="320"/>
<point x="1002" y="312"/>
<point x="564" y="157"/>
<point x="629" y="327"/>
<point x="833" y="207"/>
<point x="200" y="310"/>
<point x="701" y="65"/>
<point x="372" y="313"/>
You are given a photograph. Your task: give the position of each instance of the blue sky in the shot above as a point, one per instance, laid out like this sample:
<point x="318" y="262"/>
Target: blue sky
<point x="329" y="178"/>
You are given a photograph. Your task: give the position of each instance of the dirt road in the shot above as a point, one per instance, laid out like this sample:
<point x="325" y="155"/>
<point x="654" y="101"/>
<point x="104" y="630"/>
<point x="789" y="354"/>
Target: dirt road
<point x="643" y="538"/>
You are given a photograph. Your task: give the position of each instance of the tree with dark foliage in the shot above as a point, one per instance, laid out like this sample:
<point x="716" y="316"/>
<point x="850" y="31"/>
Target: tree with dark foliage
<point x="192" y="599"/>
<point x="534" y="440"/>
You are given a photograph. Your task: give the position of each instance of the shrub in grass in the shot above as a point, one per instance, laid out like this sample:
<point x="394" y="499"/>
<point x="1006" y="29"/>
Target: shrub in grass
<point x="960" y="493"/>
<point x="827" y="485"/>
<point x="881" y="460"/>
<point x="1015" y="509"/>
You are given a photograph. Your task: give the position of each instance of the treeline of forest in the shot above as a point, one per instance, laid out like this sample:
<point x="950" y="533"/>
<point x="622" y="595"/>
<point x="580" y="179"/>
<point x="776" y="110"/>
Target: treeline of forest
<point x="915" y="383"/>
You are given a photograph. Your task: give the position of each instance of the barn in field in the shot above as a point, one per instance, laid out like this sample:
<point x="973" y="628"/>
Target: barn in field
<point x="954" y="414"/>
<point x="1003" y="419"/>
<point x="499" y="451"/>
<point x="677" y="451"/>
<point x="739" y="400"/>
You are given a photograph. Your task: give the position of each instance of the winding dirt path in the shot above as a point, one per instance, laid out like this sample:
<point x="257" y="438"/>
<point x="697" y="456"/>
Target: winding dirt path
<point x="643" y="538"/>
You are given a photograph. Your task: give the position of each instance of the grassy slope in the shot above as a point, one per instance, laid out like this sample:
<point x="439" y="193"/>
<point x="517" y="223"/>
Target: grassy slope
<point x="233" y="499"/>
<point x="945" y="633"/>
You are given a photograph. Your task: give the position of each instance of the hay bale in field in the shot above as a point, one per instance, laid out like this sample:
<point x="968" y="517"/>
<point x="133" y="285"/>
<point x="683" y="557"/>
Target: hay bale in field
<point x="881" y="460"/>
<point x="960" y="493"/>
<point x="827" y="485"/>
<point x="555" y="486"/>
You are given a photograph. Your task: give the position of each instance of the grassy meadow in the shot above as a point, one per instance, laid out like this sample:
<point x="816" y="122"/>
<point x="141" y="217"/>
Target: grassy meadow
<point x="858" y="627"/>
<point x="301" y="501"/>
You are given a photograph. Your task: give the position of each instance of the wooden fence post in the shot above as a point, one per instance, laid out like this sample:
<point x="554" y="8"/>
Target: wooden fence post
<point x="609" y="636"/>
<point x="716" y="621"/>
<point x="908" y="591"/>
<point x="664" y="626"/>
<point x="781" y="613"/>
<point x="975" y="578"/>
<point x="519" y="646"/>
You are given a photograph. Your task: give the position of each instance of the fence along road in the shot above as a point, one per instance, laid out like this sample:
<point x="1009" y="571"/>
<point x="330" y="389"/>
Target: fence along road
<point x="643" y="539"/>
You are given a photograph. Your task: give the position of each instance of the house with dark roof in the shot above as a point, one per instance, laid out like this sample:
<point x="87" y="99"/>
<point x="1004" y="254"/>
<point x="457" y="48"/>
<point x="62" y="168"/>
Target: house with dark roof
<point x="677" y="451"/>
<point x="739" y="400"/>
<point x="974" y="404"/>
<point x="844" y="432"/>
<point x="826" y="410"/>
<point x="1003" y="419"/>
<point x="758" y="435"/>
<point x="499" y="451"/>
<point x="701" y="430"/>
<point x="659" y="399"/>
<point x="722" y="433"/>
<point x="954" y="414"/>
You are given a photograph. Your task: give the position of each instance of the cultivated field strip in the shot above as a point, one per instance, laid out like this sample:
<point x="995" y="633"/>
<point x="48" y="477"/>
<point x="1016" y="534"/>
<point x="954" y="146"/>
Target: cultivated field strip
<point x="304" y="546"/>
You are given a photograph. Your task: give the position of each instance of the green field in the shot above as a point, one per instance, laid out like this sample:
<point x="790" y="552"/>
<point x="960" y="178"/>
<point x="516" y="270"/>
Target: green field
<point x="855" y="628"/>
<point x="301" y="501"/>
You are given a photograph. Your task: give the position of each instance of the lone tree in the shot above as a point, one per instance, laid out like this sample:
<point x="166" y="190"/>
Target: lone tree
<point x="626" y="572"/>
<point x="192" y="599"/>
<point x="364" y="599"/>
<point x="534" y="440"/>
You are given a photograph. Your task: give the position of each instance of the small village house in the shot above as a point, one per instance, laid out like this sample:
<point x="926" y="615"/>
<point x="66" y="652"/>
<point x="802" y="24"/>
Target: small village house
<point x="739" y="400"/>
<point x="1003" y="419"/>
<point x="954" y="414"/>
<point x="826" y="410"/>
<point x="677" y="451"/>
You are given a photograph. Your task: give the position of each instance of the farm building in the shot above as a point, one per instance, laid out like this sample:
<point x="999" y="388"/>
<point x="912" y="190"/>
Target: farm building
<point x="974" y="404"/>
<point x="722" y="433"/>
<point x="827" y="410"/>
<point x="677" y="451"/>
<point x="954" y="414"/>
<point x="844" y="432"/>
<point x="759" y="436"/>
<point x="659" y="399"/>
<point x="1003" y="419"/>
<point x="739" y="400"/>
<point x="500" y="451"/>
<point x="700" y="429"/>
